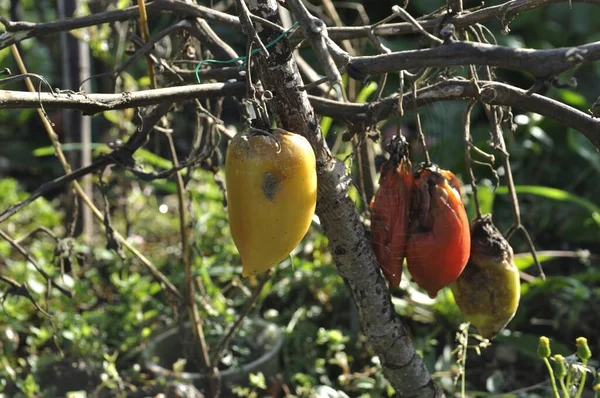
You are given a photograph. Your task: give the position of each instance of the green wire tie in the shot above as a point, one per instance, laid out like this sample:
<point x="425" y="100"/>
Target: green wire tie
<point x="243" y="58"/>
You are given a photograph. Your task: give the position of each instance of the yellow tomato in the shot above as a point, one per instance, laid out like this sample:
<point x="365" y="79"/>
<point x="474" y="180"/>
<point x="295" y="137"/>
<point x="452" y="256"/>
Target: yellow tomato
<point x="271" y="195"/>
<point x="489" y="289"/>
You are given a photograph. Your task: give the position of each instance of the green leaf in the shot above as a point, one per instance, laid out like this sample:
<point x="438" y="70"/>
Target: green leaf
<point x="573" y="98"/>
<point x="326" y="123"/>
<point x="486" y="195"/>
<point x="527" y="344"/>
<point x="525" y="260"/>
<point x="556" y="194"/>
<point x="366" y="92"/>
<point x="153" y="159"/>
<point x="541" y="136"/>
<point x="75" y="146"/>
<point x="584" y="148"/>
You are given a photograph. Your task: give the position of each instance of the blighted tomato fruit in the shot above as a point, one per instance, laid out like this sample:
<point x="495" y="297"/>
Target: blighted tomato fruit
<point x="488" y="291"/>
<point x="439" y="240"/>
<point x="271" y="194"/>
<point x="390" y="210"/>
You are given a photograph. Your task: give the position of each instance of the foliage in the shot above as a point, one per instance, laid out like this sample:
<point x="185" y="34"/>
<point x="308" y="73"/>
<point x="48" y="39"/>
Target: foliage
<point x="118" y="307"/>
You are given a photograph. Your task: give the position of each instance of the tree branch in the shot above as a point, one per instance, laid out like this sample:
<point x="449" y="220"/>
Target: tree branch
<point x="94" y="103"/>
<point x="35" y="264"/>
<point x="368" y="114"/>
<point x="17" y="31"/>
<point x="505" y="12"/>
<point x="493" y="93"/>
<point x="539" y="63"/>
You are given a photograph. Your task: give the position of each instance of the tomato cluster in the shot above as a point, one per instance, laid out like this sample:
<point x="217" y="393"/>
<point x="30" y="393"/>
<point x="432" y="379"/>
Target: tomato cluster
<point x="419" y="217"/>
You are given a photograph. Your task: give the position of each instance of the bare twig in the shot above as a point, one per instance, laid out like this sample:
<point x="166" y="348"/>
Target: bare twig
<point x="316" y="32"/>
<point x="493" y="93"/>
<point x="21" y="290"/>
<point x="145" y="32"/>
<point x="94" y="103"/>
<point x="136" y="140"/>
<point x="456" y="6"/>
<point x="539" y="63"/>
<point x="419" y="127"/>
<point x="402" y="13"/>
<point x="27" y="30"/>
<point x="34" y="232"/>
<point x="245" y="19"/>
<point x="32" y="260"/>
<point x="468" y="145"/>
<point x="332" y="12"/>
<point x="238" y="323"/>
<point x="190" y="290"/>
<point x="504" y="11"/>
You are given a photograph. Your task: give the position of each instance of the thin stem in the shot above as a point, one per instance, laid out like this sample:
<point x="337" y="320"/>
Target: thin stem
<point x="468" y="145"/>
<point x="22" y="290"/>
<point x="463" y="374"/>
<point x="145" y="32"/>
<point x="80" y="192"/>
<point x="563" y="387"/>
<point x="189" y="288"/>
<point x="30" y="259"/>
<point x="238" y="323"/>
<point x="419" y="128"/>
<point x="583" y="377"/>
<point x="402" y="13"/>
<point x="569" y="376"/>
<point x="552" y="379"/>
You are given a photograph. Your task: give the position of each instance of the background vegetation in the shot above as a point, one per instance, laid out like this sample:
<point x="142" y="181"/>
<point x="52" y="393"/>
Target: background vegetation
<point x="118" y="306"/>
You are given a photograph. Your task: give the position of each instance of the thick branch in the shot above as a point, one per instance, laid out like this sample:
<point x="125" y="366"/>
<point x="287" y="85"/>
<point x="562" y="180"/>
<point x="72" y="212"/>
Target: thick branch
<point x="493" y="93"/>
<point x="367" y="114"/>
<point x="94" y="103"/>
<point x="504" y="12"/>
<point x="540" y="63"/>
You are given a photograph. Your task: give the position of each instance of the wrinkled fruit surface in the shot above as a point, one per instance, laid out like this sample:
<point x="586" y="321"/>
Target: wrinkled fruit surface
<point x="489" y="289"/>
<point x="439" y="239"/>
<point x="390" y="210"/>
<point x="271" y="194"/>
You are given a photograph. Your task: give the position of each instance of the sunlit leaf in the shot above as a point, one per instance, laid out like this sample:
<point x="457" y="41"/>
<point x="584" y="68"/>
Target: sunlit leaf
<point x="556" y="194"/>
<point x="573" y="98"/>
<point x="584" y="148"/>
<point x="75" y="146"/>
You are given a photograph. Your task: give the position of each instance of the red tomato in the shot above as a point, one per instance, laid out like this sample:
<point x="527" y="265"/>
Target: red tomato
<point x="390" y="209"/>
<point x="439" y="243"/>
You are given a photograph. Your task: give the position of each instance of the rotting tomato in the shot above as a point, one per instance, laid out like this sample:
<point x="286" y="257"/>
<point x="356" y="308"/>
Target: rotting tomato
<point x="439" y="239"/>
<point x="489" y="289"/>
<point x="390" y="210"/>
<point x="271" y="194"/>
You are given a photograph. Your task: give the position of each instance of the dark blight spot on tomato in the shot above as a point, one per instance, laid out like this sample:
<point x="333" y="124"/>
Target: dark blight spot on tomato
<point x="270" y="185"/>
